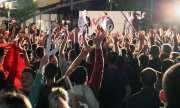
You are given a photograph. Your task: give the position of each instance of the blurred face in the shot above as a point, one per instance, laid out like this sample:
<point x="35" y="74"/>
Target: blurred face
<point x="84" y="13"/>
<point x="34" y="26"/>
<point x="27" y="79"/>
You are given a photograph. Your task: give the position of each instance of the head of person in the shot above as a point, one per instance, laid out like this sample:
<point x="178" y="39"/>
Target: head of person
<point x="143" y="61"/>
<point x="132" y="48"/>
<point x="166" y="48"/>
<point x="33" y="26"/>
<point x="164" y="56"/>
<point x="174" y="55"/>
<point x="71" y="55"/>
<point x="124" y="52"/>
<point x="154" y="51"/>
<point x="79" y="76"/>
<point x="10" y="89"/>
<point x="170" y="93"/>
<point x="53" y="59"/>
<point x="148" y="77"/>
<point x="112" y="58"/>
<point x="1" y="54"/>
<point x="167" y="63"/>
<point x="104" y="14"/>
<point x="177" y="60"/>
<point x="50" y="71"/>
<point x="84" y="13"/>
<point x="58" y="98"/>
<point x="40" y="52"/>
<point x="14" y="100"/>
<point x="27" y="79"/>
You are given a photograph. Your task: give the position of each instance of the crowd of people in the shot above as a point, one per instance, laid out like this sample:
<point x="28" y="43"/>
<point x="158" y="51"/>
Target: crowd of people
<point x="62" y="69"/>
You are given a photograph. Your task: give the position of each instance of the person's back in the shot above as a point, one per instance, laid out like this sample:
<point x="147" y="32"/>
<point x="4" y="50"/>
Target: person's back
<point x="49" y="73"/>
<point x="113" y="88"/>
<point x="148" y="97"/>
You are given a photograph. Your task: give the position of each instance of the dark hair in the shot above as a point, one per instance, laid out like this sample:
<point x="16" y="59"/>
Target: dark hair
<point x="143" y="60"/>
<point x="14" y="100"/>
<point x="90" y="42"/>
<point x="154" y="51"/>
<point x="174" y="55"/>
<point x="32" y="24"/>
<point x="31" y="71"/>
<point x="79" y="75"/>
<point x="124" y="52"/>
<point x="40" y="52"/>
<point x="29" y="52"/>
<point x="72" y="54"/>
<point x="166" y="48"/>
<point x="50" y="71"/>
<point x="10" y="88"/>
<point x="148" y="77"/>
<point x="167" y="63"/>
<point x="112" y="57"/>
<point x="171" y="86"/>
<point x="164" y="56"/>
<point x="132" y="47"/>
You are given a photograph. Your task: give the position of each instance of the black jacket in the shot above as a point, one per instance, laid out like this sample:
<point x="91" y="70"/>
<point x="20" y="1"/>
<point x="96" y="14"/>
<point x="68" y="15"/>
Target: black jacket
<point x="148" y="97"/>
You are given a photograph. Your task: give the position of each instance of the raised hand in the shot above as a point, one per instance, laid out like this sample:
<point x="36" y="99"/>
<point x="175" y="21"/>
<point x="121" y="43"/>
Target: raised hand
<point x="43" y="61"/>
<point x="115" y="37"/>
<point x="101" y="34"/>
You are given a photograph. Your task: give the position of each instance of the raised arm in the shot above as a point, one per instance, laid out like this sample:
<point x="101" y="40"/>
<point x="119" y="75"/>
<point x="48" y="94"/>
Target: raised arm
<point x="63" y="45"/>
<point x="115" y="38"/>
<point x="34" y="93"/>
<point x="78" y="60"/>
<point x="76" y="40"/>
<point x="97" y="74"/>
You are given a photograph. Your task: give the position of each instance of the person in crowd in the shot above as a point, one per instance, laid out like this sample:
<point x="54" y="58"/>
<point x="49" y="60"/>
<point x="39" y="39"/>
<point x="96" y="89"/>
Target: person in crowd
<point x="27" y="80"/>
<point x="58" y="98"/>
<point x="50" y="73"/>
<point x="14" y="100"/>
<point x="84" y="22"/>
<point x="155" y="61"/>
<point x="148" y="97"/>
<point x="78" y="75"/>
<point x="115" y="87"/>
<point x="166" y="48"/>
<point x="170" y="94"/>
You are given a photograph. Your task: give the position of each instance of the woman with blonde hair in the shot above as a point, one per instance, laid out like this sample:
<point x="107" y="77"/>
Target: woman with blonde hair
<point x="58" y="98"/>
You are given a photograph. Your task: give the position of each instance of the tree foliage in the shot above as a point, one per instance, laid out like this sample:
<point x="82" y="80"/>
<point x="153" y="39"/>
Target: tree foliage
<point x="25" y="10"/>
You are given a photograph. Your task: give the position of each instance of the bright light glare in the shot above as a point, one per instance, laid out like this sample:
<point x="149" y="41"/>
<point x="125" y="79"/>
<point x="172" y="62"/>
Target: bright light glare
<point x="2" y="1"/>
<point x="177" y="10"/>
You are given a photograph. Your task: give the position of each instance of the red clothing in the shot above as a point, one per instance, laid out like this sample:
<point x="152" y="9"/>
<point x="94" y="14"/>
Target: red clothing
<point x="97" y="74"/>
<point x="13" y="64"/>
